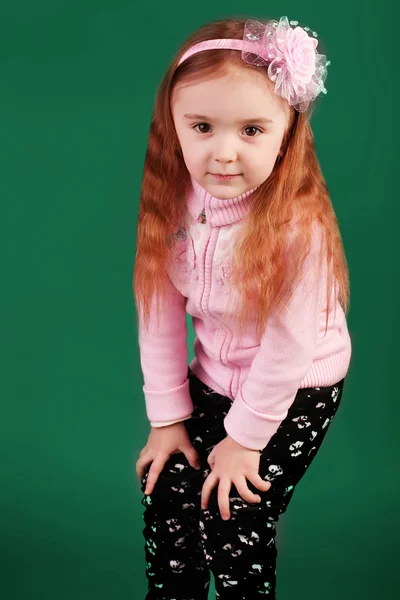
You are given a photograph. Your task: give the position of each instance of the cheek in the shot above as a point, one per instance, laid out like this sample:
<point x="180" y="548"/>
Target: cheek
<point x="188" y="152"/>
<point x="273" y="144"/>
<point x="264" y="169"/>
<point x="271" y="149"/>
<point x="191" y="159"/>
<point x="265" y="156"/>
<point x="193" y="155"/>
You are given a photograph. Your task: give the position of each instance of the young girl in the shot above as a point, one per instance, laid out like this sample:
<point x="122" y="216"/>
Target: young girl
<point x="236" y="228"/>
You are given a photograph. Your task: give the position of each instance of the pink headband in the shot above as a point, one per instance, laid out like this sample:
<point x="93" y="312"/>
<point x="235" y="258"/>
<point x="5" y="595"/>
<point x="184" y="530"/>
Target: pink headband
<point x="293" y="63"/>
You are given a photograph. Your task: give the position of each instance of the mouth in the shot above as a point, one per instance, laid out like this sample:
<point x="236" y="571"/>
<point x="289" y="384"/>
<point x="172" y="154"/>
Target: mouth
<point x="223" y="177"/>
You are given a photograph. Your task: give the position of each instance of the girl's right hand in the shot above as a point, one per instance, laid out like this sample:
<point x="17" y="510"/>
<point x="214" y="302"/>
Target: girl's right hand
<point x="162" y="442"/>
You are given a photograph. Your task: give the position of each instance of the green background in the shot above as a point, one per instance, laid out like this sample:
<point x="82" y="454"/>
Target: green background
<point x="77" y="85"/>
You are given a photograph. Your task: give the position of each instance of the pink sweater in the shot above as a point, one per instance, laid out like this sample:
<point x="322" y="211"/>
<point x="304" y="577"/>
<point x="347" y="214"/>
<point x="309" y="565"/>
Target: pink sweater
<point x="261" y="379"/>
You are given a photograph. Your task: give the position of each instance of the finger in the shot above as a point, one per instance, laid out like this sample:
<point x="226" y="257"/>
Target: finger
<point x="141" y="465"/>
<point x="259" y="482"/>
<point x="155" y="470"/>
<point x="246" y="494"/>
<point x="208" y="485"/>
<point x="223" y="497"/>
<point x="192" y="456"/>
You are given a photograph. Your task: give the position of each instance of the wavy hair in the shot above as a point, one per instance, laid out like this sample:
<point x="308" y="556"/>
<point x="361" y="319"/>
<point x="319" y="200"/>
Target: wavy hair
<point x="296" y="190"/>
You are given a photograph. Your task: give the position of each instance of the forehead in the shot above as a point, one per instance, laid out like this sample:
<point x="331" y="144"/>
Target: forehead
<point x="236" y="94"/>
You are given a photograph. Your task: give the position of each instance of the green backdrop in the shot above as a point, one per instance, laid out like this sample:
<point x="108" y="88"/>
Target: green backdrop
<point x="77" y="85"/>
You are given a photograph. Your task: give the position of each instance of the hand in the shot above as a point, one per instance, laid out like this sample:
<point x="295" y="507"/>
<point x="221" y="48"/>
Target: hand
<point x="161" y="444"/>
<point x="232" y="463"/>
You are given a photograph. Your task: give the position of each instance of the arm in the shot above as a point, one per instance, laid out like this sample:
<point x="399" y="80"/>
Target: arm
<point x="163" y="359"/>
<point x="285" y="356"/>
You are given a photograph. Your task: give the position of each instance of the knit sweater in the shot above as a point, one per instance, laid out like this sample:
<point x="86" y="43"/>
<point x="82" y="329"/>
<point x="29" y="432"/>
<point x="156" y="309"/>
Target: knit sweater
<point x="260" y="377"/>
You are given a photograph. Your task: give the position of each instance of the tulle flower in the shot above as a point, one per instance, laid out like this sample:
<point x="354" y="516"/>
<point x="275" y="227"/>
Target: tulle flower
<point x="290" y="53"/>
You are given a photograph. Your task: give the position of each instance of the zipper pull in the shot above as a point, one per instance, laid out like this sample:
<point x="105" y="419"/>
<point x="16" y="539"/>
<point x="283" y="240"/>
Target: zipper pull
<point x="202" y="216"/>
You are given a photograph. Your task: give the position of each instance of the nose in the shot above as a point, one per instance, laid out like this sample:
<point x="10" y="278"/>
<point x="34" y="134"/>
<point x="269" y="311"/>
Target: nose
<point x="224" y="150"/>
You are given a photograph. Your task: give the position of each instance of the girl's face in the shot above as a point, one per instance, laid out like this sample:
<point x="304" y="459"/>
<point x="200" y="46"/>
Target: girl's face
<point x="230" y="125"/>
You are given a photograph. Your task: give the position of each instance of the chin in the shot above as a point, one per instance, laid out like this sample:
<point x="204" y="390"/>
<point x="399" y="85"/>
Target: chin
<point x="225" y="192"/>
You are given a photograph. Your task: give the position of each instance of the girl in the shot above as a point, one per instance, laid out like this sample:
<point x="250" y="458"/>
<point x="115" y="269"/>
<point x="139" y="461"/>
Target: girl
<point x="236" y="228"/>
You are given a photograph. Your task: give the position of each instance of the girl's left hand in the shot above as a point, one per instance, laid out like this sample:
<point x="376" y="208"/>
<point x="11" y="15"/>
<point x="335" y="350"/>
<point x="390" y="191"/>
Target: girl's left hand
<point x="232" y="463"/>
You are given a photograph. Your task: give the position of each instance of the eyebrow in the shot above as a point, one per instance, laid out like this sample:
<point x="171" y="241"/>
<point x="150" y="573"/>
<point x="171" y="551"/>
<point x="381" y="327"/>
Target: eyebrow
<point x="254" y="120"/>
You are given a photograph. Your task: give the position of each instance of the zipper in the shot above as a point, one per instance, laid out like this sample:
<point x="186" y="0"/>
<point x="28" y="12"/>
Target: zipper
<point x="202" y="218"/>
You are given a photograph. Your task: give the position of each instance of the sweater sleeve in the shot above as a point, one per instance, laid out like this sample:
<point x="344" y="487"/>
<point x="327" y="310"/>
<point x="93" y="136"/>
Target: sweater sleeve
<point x="164" y="361"/>
<point x="285" y="356"/>
<point x="165" y="423"/>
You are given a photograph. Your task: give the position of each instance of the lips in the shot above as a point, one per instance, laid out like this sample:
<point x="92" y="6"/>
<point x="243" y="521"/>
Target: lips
<point x="224" y="177"/>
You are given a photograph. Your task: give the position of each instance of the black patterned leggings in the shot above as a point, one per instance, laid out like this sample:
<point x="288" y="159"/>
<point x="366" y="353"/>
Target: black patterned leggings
<point x="183" y="543"/>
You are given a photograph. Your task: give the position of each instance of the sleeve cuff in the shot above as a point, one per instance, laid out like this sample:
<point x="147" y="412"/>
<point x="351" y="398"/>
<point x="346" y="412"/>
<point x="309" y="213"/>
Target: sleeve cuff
<point x="168" y="405"/>
<point x="250" y="428"/>
<point x="165" y="423"/>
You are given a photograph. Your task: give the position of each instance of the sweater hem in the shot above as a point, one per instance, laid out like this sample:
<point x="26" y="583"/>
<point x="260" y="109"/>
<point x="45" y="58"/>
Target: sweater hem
<point x="322" y="373"/>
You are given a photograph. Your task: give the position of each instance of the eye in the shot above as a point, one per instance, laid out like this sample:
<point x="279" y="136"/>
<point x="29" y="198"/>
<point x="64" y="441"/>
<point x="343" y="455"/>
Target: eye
<point x="253" y="127"/>
<point x="199" y="125"/>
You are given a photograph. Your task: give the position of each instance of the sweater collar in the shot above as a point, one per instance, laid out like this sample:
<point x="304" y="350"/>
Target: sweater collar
<point x="217" y="212"/>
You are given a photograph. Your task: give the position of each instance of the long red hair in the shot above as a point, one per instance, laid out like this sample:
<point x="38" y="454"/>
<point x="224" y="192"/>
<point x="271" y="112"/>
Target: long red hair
<point x="262" y="276"/>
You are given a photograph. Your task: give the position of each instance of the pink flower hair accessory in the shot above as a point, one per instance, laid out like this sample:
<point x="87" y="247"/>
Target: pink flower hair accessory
<point x="295" y="66"/>
<point x="289" y="54"/>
